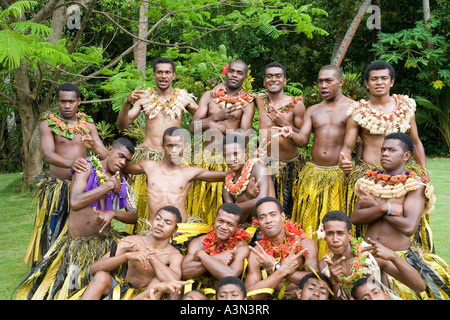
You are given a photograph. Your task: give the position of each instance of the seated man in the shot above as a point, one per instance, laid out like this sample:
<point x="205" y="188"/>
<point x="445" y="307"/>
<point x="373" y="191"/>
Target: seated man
<point x="390" y="207"/>
<point x="231" y="288"/>
<point x="244" y="177"/>
<point x="283" y="248"/>
<point x="313" y="287"/>
<point x="350" y="259"/>
<point x="96" y="198"/>
<point x="219" y="253"/>
<point x="168" y="180"/>
<point x="145" y="260"/>
<point x="369" y="289"/>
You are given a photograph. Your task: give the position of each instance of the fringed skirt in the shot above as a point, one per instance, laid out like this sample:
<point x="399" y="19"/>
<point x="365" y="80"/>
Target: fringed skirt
<point x="52" y="196"/>
<point x="66" y="266"/>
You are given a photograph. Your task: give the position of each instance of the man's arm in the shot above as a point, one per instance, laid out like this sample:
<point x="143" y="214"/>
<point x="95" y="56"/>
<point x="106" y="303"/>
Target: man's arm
<point x="419" y="151"/>
<point x="351" y="135"/>
<point x="127" y="116"/>
<point x="192" y="268"/>
<point x="210" y="175"/>
<point x="301" y="138"/>
<point x="167" y="272"/>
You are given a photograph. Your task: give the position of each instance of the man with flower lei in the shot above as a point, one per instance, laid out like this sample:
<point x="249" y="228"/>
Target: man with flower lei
<point x="391" y="205"/>
<point x="370" y="121"/>
<point x="281" y="256"/>
<point x="248" y="180"/>
<point x="65" y="137"/>
<point x="163" y="107"/>
<point x="221" y="252"/>
<point x="97" y="197"/>
<point x="212" y="121"/>
<point x="276" y="109"/>
<point x="349" y="259"/>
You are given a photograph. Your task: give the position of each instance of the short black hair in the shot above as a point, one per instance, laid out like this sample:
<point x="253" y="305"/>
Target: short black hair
<point x="379" y="65"/>
<point x="240" y="61"/>
<point x="164" y="60"/>
<point x="234" y="138"/>
<point x="322" y="276"/>
<point x="232" y="208"/>
<point x="173" y="210"/>
<point x="333" y="67"/>
<point x="406" y="141"/>
<point x="267" y="199"/>
<point x="174" y="132"/>
<point x="362" y="281"/>
<point x="68" y="87"/>
<point x="194" y="290"/>
<point x="339" y="216"/>
<point x="275" y="65"/>
<point x="124" y="142"/>
<point x="232" y="280"/>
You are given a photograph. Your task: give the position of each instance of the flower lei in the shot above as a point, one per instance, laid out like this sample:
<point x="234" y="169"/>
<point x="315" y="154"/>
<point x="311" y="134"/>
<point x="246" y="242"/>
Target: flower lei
<point x="66" y="129"/>
<point x="222" y="99"/>
<point x="358" y="269"/>
<point x="98" y="169"/>
<point x="283" y="109"/>
<point x="293" y="232"/>
<point x="173" y="107"/>
<point x="212" y="248"/>
<point x="241" y="185"/>
<point x="384" y="123"/>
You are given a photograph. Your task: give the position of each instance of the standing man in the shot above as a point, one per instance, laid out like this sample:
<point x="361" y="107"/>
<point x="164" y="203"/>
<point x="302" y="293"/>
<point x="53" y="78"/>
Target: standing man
<point x="275" y="108"/>
<point x="230" y="111"/>
<point x="97" y="197"/>
<point x="322" y="184"/>
<point x="280" y="258"/>
<point x="64" y="139"/>
<point x="163" y="107"/>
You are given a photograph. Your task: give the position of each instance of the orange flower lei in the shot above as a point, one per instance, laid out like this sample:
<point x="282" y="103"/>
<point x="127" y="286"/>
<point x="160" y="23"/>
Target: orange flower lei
<point x="293" y="233"/>
<point x="222" y="99"/>
<point x="241" y="185"/>
<point x="66" y="129"/>
<point x="282" y="109"/>
<point x="212" y="248"/>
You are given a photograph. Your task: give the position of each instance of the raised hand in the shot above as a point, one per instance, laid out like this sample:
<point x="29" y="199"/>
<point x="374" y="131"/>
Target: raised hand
<point x="135" y="95"/>
<point x="253" y="187"/>
<point x="345" y="164"/>
<point x="335" y="267"/>
<point x="378" y="250"/>
<point x="285" y="132"/>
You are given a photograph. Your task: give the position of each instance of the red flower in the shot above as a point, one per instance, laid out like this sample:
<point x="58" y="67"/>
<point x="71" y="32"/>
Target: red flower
<point x="225" y="69"/>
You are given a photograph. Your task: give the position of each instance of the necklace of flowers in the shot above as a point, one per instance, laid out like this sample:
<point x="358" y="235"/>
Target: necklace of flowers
<point x="173" y="106"/>
<point x="241" y="185"/>
<point x="212" y="248"/>
<point x="358" y="268"/>
<point x="293" y="232"/>
<point x="283" y="109"/>
<point x="65" y="128"/>
<point x="384" y="123"/>
<point x="98" y="169"/>
<point x="222" y="99"/>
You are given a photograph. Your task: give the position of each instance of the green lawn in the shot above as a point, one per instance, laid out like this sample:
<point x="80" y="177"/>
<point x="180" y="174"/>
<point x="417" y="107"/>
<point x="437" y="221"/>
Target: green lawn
<point x="17" y="212"/>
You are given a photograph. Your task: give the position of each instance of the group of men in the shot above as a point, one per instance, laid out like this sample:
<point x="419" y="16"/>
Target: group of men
<point x="212" y="217"/>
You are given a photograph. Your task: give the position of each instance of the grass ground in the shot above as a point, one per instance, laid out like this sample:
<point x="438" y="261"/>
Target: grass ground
<point x="17" y="213"/>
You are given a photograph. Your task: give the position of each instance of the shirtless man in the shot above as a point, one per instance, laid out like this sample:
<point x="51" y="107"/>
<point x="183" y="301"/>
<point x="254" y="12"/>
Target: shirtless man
<point x="392" y="210"/>
<point x="168" y="180"/>
<point x="258" y="185"/>
<point x="230" y="111"/>
<point x="97" y="197"/>
<point x="281" y="270"/>
<point x="222" y="251"/>
<point x="163" y="107"/>
<point x="275" y="108"/>
<point x="327" y="120"/>
<point x="150" y="259"/>
<point x="64" y="139"/>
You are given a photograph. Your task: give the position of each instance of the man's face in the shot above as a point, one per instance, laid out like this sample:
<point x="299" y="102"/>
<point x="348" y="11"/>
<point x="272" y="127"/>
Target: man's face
<point x="236" y="75"/>
<point x="314" y="289"/>
<point x="392" y="155"/>
<point x="337" y="236"/>
<point x="234" y="156"/>
<point x="371" y="291"/>
<point x="68" y="103"/>
<point x="225" y="225"/>
<point x="329" y="84"/>
<point x="118" y="158"/>
<point x="379" y="82"/>
<point x="164" y="75"/>
<point x="164" y="224"/>
<point x="274" y="79"/>
<point x="230" y="292"/>
<point x="173" y="148"/>
<point x="270" y="219"/>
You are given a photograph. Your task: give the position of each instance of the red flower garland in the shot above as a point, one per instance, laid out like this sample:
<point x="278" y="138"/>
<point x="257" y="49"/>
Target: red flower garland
<point x="212" y="248"/>
<point x="240" y="186"/>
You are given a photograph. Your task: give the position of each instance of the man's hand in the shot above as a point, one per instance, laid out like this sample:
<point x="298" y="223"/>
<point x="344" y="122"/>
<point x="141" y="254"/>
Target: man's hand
<point x="265" y="259"/>
<point x="336" y="268"/>
<point x="345" y="164"/>
<point x="80" y="165"/>
<point x="135" y="95"/>
<point x="277" y="118"/>
<point x="366" y="200"/>
<point x="253" y="187"/>
<point x="104" y="218"/>
<point x="117" y="183"/>
<point x="285" y="132"/>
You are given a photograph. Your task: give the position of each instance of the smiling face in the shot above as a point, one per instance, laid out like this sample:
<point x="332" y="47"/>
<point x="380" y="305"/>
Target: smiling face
<point x="337" y="236"/>
<point x="164" y="224"/>
<point x="274" y="79"/>
<point x="68" y="104"/>
<point x="329" y="84"/>
<point x="392" y="155"/>
<point x="225" y="225"/>
<point x="236" y="75"/>
<point x="271" y="220"/>
<point x="379" y="82"/>
<point x="164" y="75"/>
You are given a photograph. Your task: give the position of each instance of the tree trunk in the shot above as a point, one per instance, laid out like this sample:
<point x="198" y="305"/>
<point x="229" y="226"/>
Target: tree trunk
<point x="426" y="11"/>
<point x="339" y="56"/>
<point x="140" y="54"/>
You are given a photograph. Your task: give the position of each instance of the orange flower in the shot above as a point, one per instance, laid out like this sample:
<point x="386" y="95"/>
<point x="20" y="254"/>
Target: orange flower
<point x="394" y="178"/>
<point x="62" y="125"/>
<point x="402" y="178"/>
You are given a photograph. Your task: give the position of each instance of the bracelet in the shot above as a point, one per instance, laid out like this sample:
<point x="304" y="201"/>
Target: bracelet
<point x="389" y="209"/>
<point x="115" y="187"/>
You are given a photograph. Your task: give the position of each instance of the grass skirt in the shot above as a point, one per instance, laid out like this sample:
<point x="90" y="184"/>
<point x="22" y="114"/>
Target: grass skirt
<point x="66" y="266"/>
<point x="52" y="196"/>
